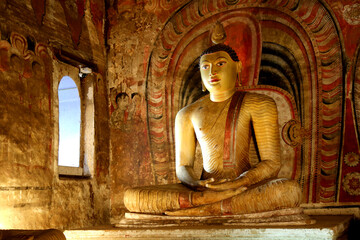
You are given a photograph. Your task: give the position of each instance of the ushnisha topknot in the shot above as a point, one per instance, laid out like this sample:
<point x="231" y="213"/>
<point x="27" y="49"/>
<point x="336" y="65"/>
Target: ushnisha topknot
<point x="221" y="47"/>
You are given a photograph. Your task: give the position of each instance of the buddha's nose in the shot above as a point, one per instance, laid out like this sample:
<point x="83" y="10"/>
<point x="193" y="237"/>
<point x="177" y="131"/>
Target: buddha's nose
<point x="212" y="71"/>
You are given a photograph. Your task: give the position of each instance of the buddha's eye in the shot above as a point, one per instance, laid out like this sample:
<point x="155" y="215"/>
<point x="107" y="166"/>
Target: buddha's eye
<point x="205" y="67"/>
<point x="221" y="63"/>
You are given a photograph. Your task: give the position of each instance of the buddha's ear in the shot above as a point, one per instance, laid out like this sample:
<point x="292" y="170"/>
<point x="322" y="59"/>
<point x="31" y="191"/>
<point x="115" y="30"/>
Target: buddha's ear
<point x="239" y="66"/>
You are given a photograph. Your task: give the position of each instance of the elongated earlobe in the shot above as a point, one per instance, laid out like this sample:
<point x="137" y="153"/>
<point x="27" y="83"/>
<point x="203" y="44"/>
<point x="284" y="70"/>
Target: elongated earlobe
<point x="239" y="71"/>
<point x="239" y="66"/>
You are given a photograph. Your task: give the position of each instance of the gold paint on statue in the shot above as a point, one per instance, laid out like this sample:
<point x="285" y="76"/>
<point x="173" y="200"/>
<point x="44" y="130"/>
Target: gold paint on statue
<point x="223" y="123"/>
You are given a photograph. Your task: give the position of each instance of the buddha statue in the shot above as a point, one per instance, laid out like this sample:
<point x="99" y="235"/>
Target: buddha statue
<point x="223" y="122"/>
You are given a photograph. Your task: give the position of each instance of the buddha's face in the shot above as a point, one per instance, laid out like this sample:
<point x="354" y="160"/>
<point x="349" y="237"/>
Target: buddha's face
<point x="218" y="72"/>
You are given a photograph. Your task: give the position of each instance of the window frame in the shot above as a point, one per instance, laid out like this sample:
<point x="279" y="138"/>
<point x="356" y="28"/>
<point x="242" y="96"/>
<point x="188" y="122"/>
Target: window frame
<point x="73" y="120"/>
<point x="85" y="87"/>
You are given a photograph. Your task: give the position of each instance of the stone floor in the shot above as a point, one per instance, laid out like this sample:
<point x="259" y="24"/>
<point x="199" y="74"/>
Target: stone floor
<point x="326" y="227"/>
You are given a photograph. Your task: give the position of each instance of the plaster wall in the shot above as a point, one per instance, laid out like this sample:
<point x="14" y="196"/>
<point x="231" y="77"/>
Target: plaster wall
<point x="133" y="145"/>
<point x="32" y="194"/>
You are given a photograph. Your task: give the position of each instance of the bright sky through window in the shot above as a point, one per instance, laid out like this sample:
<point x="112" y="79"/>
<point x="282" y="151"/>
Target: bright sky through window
<point x="69" y="123"/>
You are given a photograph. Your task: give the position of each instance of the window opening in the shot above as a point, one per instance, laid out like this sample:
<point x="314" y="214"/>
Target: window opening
<point x="69" y="123"/>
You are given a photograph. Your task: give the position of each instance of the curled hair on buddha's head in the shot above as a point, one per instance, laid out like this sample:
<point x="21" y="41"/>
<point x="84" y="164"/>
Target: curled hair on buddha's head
<point x="221" y="47"/>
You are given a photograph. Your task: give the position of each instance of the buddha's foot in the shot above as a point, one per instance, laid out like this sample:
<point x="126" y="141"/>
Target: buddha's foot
<point x="209" y="197"/>
<point x="205" y="210"/>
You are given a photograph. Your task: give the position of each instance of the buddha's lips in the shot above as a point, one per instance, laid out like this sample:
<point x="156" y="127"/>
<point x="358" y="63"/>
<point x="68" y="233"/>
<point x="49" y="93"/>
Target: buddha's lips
<point x="214" y="80"/>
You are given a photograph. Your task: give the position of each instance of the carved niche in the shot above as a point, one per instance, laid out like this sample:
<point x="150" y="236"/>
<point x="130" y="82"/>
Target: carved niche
<point x="299" y="54"/>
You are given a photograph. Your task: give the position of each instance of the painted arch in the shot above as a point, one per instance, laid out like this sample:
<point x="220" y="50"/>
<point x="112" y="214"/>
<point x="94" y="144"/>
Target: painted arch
<point x="296" y="56"/>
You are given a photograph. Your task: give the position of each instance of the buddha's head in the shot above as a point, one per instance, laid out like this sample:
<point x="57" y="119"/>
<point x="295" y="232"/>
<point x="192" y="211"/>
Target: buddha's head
<point x="219" y="68"/>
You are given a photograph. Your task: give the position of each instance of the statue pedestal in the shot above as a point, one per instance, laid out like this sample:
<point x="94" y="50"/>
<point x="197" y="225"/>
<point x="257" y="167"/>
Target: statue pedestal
<point x="284" y="217"/>
<point x="326" y="227"/>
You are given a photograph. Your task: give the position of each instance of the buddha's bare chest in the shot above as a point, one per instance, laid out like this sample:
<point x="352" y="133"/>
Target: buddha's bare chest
<point x="211" y="123"/>
<point x="215" y="135"/>
<point x="210" y="119"/>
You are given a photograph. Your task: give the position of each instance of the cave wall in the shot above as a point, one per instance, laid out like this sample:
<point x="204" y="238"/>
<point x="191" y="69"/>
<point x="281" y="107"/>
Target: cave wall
<point x="144" y="57"/>
<point x="308" y="64"/>
<point x="32" y="194"/>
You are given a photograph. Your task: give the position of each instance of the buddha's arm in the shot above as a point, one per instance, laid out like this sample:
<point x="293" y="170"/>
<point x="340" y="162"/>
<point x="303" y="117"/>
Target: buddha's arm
<point x="185" y="150"/>
<point x="265" y="123"/>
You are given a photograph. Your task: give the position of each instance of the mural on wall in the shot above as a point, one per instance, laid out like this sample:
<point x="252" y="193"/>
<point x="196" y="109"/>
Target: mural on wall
<point x="29" y="94"/>
<point x="128" y="137"/>
<point x="302" y="54"/>
<point x="162" y="9"/>
<point x="39" y="10"/>
<point x="74" y="12"/>
<point x="25" y="145"/>
<point x="301" y="41"/>
<point x="127" y="107"/>
<point x="347" y="14"/>
<point x="349" y="186"/>
<point x="97" y="12"/>
<point x="30" y="188"/>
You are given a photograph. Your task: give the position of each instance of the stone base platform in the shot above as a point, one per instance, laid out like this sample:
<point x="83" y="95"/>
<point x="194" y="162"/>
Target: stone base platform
<point x="325" y="227"/>
<point x="283" y="217"/>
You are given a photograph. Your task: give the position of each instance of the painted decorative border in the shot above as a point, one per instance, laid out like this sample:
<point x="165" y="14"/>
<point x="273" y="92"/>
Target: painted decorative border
<point x="352" y="159"/>
<point x="351" y="183"/>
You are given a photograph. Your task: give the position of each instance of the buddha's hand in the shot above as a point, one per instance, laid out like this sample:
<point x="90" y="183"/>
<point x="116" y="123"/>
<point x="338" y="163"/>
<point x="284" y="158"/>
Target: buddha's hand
<point x="200" y="185"/>
<point x="209" y="196"/>
<point x="225" y="184"/>
<point x="203" y="183"/>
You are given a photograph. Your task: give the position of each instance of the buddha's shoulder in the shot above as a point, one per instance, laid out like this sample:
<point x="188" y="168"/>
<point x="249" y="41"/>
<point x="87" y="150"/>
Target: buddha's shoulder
<point x="257" y="98"/>
<point x="195" y="106"/>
